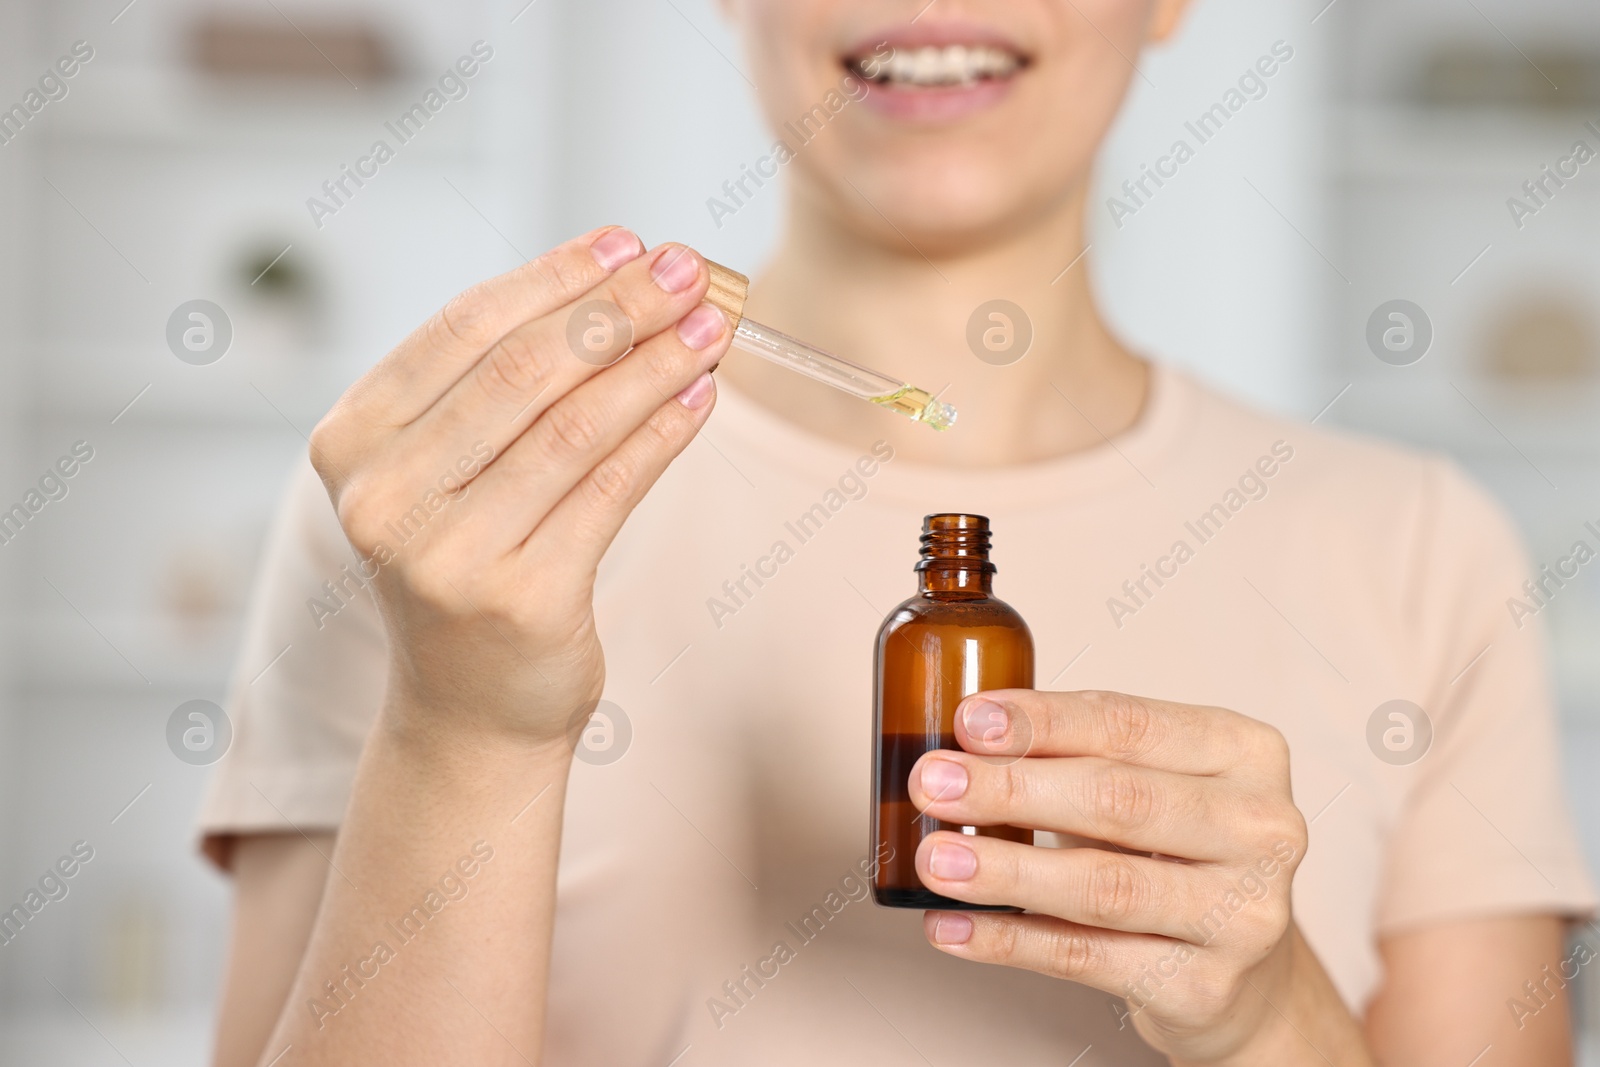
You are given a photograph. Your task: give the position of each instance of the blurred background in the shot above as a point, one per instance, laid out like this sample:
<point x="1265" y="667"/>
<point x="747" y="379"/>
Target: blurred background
<point x="178" y="165"/>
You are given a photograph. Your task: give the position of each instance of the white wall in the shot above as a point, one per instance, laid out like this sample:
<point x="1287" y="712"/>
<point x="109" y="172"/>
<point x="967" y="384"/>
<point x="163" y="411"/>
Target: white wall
<point x="1209" y="274"/>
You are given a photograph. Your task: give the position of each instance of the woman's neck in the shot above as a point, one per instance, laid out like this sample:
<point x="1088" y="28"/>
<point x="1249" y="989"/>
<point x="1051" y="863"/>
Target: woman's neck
<point x="907" y="315"/>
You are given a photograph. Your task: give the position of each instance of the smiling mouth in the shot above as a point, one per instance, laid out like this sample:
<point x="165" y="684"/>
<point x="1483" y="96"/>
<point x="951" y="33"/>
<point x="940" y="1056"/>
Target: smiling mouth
<point x="937" y="67"/>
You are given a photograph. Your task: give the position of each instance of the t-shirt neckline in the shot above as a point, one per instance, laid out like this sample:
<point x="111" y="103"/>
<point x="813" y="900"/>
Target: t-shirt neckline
<point x="1132" y="458"/>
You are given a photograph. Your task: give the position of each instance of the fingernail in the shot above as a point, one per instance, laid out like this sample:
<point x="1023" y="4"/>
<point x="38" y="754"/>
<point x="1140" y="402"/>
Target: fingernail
<point x="675" y="269"/>
<point x="952" y="930"/>
<point x="616" y="247"/>
<point x="986" y="721"/>
<point x="701" y="326"/>
<point x="955" y="863"/>
<point x="697" y="393"/>
<point x="943" y="779"/>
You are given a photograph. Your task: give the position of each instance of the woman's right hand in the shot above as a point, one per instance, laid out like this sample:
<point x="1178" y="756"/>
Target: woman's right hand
<point x="483" y="467"/>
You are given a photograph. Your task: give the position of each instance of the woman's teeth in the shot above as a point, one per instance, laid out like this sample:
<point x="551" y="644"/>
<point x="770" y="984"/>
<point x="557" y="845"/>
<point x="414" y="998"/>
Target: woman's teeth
<point x="953" y="65"/>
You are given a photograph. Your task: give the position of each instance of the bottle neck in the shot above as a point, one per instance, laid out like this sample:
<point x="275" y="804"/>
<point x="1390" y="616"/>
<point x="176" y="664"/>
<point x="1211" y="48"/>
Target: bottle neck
<point x="955" y="557"/>
<point x="952" y="578"/>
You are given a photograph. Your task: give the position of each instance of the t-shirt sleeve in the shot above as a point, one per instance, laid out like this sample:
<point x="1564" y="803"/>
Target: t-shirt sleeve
<point x="1484" y="828"/>
<point x="308" y="682"/>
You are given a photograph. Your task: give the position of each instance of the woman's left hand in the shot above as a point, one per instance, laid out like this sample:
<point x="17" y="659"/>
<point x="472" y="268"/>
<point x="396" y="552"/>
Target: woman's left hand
<point x="1184" y="908"/>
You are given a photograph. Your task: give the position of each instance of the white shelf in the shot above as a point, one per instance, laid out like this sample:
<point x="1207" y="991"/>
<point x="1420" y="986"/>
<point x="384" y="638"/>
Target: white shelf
<point x="61" y="653"/>
<point x="148" y="109"/>
<point x="1448" y="146"/>
<point x="60" y="1035"/>
<point x="243" y="389"/>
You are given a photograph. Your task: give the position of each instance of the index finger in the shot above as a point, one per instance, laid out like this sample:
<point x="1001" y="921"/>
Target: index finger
<point x="1160" y="734"/>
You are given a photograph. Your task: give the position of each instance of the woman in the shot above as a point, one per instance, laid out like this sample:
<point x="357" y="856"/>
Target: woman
<point x="487" y="899"/>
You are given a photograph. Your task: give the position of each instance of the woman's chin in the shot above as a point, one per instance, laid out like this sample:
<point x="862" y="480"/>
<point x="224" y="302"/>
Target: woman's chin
<point x="966" y="213"/>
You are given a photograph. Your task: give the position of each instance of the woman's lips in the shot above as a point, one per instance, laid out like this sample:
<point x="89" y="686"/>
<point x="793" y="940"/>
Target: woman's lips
<point x="936" y="71"/>
<point x="937" y="104"/>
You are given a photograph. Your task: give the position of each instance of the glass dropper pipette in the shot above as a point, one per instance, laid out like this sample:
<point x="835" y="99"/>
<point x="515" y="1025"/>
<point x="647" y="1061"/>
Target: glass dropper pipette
<point x="728" y="291"/>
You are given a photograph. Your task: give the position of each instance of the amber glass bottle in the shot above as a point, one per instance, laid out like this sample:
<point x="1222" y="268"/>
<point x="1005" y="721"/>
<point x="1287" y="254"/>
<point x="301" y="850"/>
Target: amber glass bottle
<point x="952" y="639"/>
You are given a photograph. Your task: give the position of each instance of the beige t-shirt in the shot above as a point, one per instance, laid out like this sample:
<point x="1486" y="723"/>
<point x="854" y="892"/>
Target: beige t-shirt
<point x="1211" y="555"/>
